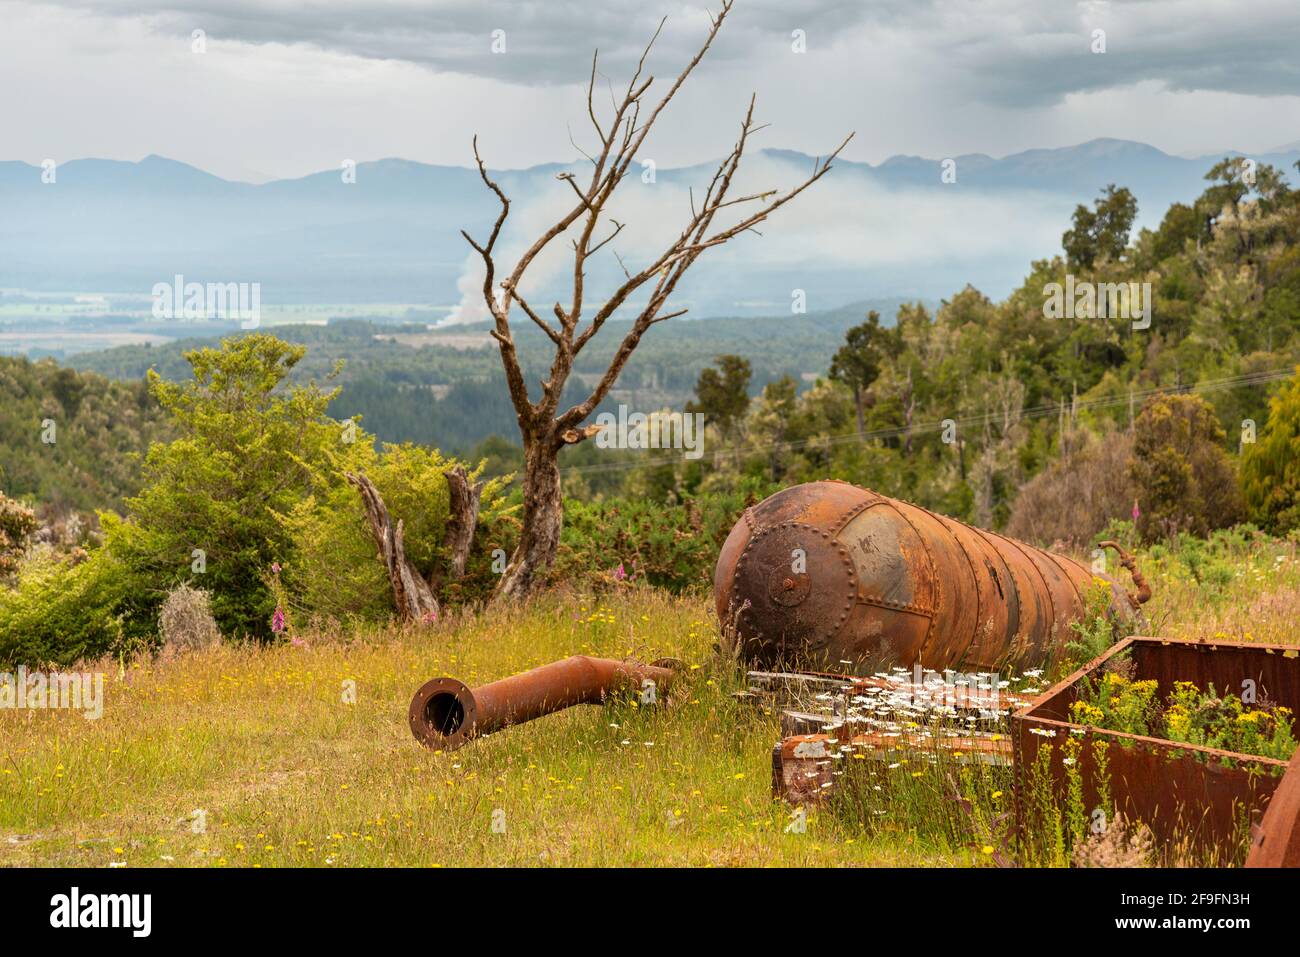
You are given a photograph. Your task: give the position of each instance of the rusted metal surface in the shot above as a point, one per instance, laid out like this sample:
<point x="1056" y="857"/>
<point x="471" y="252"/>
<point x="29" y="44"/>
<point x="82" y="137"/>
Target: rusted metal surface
<point x="1186" y="794"/>
<point x="834" y="577"/>
<point x="1276" y="842"/>
<point x="802" y="768"/>
<point x="446" y="714"/>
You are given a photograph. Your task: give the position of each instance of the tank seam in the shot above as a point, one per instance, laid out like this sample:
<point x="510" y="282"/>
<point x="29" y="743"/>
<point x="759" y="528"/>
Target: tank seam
<point x="983" y="535"/>
<point x="935" y="584"/>
<point x="1057" y="560"/>
<point x="1047" y="589"/>
<point x="943" y="522"/>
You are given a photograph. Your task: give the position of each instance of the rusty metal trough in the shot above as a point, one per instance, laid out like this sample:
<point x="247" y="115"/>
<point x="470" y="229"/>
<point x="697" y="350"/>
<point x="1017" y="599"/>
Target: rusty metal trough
<point x="828" y="576"/>
<point x="446" y="714"/>
<point x="1276" y="842"/>
<point x="1185" y="793"/>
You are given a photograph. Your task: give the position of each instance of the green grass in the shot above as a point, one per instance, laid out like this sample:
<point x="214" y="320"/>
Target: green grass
<point x="289" y="774"/>
<point x="1239" y="585"/>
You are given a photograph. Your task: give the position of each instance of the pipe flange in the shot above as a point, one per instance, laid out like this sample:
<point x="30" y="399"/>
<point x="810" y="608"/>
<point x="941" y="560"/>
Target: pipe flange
<point x="443" y="714"/>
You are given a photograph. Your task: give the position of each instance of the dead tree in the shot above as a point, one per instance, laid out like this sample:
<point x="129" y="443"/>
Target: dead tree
<point x="462" y="518"/>
<point x="414" y="593"/>
<point x="543" y="427"/>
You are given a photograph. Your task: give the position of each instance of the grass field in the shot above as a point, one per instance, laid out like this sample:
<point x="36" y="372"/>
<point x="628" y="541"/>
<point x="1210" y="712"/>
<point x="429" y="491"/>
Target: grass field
<point x="289" y="774"/>
<point x="286" y="772"/>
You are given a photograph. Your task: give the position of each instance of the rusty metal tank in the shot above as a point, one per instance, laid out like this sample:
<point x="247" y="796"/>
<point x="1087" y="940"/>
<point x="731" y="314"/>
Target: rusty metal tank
<point x="829" y="576"/>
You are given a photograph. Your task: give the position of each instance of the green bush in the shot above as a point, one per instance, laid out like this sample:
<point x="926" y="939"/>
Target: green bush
<point x="1270" y="468"/>
<point x="1227" y="723"/>
<point x="1096" y="630"/>
<point x="1111" y="700"/>
<point x="247" y="452"/>
<point x="60" y="613"/>
<point x="1184" y="478"/>
<point x="1188" y="714"/>
<point x="669" y="546"/>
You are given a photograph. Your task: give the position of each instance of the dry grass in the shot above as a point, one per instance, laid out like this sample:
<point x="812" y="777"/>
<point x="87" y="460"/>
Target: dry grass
<point x="185" y="621"/>
<point x="1237" y="590"/>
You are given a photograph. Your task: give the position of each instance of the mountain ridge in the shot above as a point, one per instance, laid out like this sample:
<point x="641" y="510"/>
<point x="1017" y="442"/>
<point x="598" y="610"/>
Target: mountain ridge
<point x="1096" y="146"/>
<point x="393" y="235"/>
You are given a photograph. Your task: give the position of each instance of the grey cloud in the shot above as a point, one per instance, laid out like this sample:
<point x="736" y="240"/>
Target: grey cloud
<point x="1021" y="53"/>
<point x="546" y="42"/>
<point x="1185" y="45"/>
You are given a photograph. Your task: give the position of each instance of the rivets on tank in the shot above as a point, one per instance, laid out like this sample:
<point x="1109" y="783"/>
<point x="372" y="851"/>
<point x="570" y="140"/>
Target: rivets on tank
<point x="898" y="606"/>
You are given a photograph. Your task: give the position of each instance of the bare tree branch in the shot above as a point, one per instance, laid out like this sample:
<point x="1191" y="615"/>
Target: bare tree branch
<point x="674" y="262"/>
<point x="620" y="138"/>
<point x="528" y="310"/>
<point x="591" y="107"/>
<point x="618" y="229"/>
<point x="500" y="311"/>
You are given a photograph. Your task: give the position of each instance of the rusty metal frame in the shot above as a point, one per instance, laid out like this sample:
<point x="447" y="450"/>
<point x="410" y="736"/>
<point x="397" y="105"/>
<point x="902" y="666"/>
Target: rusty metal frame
<point x="1155" y="780"/>
<point x="803" y="765"/>
<point x="1276" y="842"/>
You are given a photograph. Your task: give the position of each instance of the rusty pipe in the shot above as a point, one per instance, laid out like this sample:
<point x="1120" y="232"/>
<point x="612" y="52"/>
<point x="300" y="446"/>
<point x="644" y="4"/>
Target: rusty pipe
<point x="828" y="576"/>
<point x="445" y="713"/>
<point x="1143" y="593"/>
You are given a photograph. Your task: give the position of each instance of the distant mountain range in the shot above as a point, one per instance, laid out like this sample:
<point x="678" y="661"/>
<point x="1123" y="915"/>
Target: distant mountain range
<point x="393" y="235"/>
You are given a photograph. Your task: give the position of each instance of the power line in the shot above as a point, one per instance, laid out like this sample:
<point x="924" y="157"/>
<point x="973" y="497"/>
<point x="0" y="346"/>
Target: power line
<point x="988" y="418"/>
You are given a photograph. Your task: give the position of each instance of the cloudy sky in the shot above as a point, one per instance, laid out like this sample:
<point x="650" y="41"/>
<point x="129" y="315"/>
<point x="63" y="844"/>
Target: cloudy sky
<point x="288" y="87"/>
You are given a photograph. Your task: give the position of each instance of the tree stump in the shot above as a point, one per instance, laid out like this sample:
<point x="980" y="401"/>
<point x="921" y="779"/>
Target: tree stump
<point x="462" y="517"/>
<point x="412" y="594"/>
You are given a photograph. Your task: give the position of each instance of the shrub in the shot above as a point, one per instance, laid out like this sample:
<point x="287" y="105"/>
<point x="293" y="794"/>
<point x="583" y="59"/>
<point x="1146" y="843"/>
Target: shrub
<point x="17" y="522"/>
<point x="1097" y="629"/>
<point x="247" y="451"/>
<point x="1189" y="715"/>
<point x="1202" y="717"/>
<point x="1120" y="844"/>
<point x="1184" y="478"/>
<point x="1270" y="468"/>
<point x="1077" y="496"/>
<point x="1112" y="701"/>
<point x="331" y="567"/>
<point x="185" y="621"/>
<point x="61" y="613"/>
<point x="669" y="546"/>
<point x="1121" y="530"/>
